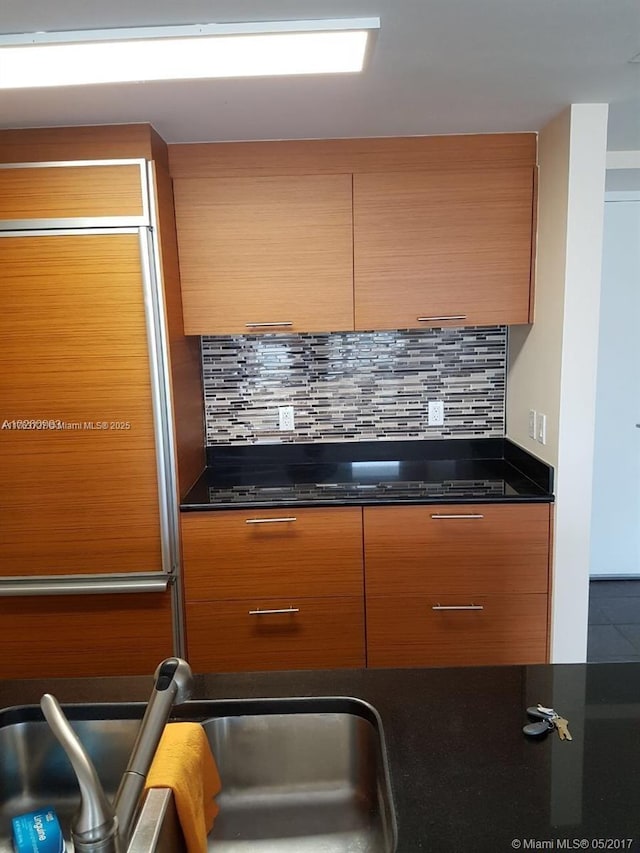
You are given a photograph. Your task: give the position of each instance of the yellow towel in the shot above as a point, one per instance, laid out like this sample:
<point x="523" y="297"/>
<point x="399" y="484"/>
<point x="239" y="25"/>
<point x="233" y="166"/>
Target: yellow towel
<point x="184" y="763"/>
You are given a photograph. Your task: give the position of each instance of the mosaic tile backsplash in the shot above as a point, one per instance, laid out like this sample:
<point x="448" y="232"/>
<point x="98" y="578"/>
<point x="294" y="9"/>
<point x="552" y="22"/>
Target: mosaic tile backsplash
<point x="355" y="386"/>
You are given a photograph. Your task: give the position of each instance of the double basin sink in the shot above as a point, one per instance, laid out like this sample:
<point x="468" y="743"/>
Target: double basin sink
<point x="305" y="775"/>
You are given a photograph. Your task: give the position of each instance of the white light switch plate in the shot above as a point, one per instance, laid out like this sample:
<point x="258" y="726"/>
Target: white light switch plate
<point x="541" y="428"/>
<point x="532" y="423"/>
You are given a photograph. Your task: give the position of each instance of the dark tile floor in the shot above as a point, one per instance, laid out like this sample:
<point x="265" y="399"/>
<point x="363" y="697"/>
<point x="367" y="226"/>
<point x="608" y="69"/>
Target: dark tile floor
<point x="614" y="621"/>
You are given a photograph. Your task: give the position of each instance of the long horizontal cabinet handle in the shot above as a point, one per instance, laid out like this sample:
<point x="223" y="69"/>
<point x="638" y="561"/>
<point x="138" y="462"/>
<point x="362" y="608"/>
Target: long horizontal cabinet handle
<point x="443" y="515"/>
<point x="267" y="325"/>
<point x="283" y="520"/>
<point x="275" y="611"/>
<point x="443" y="317"/>
<point x="458" y="607"/>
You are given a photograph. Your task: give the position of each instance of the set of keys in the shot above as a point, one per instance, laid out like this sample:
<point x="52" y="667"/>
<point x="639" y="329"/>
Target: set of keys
<point x="547" y="720"/>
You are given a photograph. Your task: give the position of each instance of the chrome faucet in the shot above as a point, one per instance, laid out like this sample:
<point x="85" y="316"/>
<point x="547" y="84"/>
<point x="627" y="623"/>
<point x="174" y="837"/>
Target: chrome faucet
<point x="100" y="827"/>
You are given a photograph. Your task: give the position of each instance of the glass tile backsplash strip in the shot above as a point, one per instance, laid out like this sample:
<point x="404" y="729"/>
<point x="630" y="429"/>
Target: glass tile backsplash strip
<point x="357" y="386"/>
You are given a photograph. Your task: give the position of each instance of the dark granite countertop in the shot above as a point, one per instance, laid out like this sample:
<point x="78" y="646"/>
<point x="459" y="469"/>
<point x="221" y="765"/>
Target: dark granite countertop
<point x="464" y="777"/>
<point x="365" y="473"/>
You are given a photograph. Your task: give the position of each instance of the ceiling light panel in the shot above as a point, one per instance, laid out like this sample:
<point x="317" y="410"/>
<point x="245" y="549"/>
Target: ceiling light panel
<point x="184" y="53"/>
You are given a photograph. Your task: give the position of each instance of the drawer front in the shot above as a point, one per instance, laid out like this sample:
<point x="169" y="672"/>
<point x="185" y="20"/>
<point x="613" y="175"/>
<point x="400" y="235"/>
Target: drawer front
<point x="314" y="633"/>
<point x="272" y="553"/>
<point x="504" y="629"/>
<point x="496" y="548"/>
<point x="94" y="635"/>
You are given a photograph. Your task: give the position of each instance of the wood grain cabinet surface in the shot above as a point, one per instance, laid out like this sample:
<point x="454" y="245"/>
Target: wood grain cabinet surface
<point x="71" y="191"/>
<point x="272" y="553"/>
<point x="73" y="347"/>
<point x="251" y="634"/>
<point x="332" y="235"/>
<point x="82" y="636"/>
<point x="450" y="549"/>
<point x="265" y="254"/>
<point x="457" y="585"/>
<point x="274" y="589"/>
<point x="445" y="584"/>
<point x="406" y="630"/>
<point x="434" y="245"/>
<point x="78" y="452"/>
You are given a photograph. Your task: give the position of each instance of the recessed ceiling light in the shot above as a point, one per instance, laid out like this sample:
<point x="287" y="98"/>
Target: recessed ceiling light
<point x="276" y="48"/>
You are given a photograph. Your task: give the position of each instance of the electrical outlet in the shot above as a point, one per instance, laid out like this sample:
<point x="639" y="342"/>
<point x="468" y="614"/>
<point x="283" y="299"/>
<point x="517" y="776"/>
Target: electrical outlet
<point x="286" y="418"/>
<point x="541" y="428"/>
<point x="435" y="410"/>
<point x="532" y="424"/>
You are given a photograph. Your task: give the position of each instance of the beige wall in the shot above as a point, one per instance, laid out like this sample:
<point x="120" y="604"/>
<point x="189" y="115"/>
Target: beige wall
<point x="552" y="365"/>
<point x="535" y="352"/>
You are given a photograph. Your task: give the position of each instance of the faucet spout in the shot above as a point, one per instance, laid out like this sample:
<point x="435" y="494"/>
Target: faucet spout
<point x="173" y="686"/>
<point x="98" y="826"/>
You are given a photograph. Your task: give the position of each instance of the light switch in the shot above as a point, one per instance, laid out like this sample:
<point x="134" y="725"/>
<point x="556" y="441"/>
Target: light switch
<point x="541" y="428"/>
<point x="532" y="424"/>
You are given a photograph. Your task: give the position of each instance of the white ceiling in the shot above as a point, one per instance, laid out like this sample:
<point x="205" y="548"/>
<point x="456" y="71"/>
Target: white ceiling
<point x="439" y="66"/>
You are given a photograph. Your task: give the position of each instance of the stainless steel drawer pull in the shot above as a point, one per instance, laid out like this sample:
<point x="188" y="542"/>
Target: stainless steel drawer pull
<point x="457" y="515"/>
<point x="272" y="612"/>
<point x="282" y="520"/>
<point x="445" y="317"/>
<point x="268" y="325"/>
<point x="458" y="607"/>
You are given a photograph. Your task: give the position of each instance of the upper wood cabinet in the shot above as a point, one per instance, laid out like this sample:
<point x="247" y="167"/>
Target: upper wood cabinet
<point x="450" y="247"/>
<point x="72" y="191"/>
<point x="260" y="254"/>
<point x="299" y="232"/>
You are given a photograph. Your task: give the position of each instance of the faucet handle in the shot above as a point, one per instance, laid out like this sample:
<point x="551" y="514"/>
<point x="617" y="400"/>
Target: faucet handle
<point x="95" y="823"/>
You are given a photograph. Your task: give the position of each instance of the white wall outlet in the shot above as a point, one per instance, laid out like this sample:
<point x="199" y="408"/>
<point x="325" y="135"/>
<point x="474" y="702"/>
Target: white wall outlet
<point x="541" y="428"/>
<point x="435" y="411"/>
<point x="532" y="424"/>
<point x="286" y="418"/>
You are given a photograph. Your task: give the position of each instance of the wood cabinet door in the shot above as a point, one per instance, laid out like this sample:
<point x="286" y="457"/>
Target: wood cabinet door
<point x="83" y="636"/>
<point x="457" y="549"/>
<point x="71" y="191"/>
<point x="269" y="254"/>
<point x="442" y="244"/>
<point x="252" y="635"/>
<point x="79" y="492"/>
<point x="478" y="630"/>
<point x="302" y="553"/>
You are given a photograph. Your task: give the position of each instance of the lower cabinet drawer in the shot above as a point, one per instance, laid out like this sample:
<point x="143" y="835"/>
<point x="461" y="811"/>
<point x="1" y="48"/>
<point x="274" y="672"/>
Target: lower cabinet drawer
<point x="427" y="631"/>
<point x="249" y="635"/>
<point x="79" y="636"/>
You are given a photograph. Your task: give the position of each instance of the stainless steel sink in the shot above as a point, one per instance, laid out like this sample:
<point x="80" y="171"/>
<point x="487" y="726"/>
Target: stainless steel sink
<point x="303" y="775"/>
